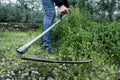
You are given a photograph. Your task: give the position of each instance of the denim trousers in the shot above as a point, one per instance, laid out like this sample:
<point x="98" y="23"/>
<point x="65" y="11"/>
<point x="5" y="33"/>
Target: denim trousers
<point x="48" y="6"/>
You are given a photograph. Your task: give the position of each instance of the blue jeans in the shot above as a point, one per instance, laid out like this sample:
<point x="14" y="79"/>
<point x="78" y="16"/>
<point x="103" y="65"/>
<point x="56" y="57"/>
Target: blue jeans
<point x="49" y="9"/>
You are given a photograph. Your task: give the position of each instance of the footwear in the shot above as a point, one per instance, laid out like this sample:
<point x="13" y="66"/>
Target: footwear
<point x="49" y="49"/>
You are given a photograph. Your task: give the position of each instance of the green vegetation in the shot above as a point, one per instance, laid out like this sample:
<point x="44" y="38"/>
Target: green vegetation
<point x="78" y="39"/>
<point x="24" y="11"/>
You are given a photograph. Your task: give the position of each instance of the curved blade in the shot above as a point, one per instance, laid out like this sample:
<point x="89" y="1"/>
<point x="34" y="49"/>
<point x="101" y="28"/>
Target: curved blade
<point x="39" y="59"/>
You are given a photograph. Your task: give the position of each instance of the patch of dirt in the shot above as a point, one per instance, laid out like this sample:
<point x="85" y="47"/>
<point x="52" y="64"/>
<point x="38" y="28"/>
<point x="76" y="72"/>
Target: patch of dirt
<point x="19" y="26"/>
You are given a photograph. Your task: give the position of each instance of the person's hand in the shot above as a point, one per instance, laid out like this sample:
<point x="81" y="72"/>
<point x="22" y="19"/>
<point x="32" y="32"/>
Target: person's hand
<point x="64" y="10"/>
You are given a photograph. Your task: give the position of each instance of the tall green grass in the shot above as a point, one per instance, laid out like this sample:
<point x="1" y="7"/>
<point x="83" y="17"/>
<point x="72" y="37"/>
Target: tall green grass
<point x="81" y="36"/>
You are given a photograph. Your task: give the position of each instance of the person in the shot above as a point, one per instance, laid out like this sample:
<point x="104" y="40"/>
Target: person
<point x="49" y="8"/>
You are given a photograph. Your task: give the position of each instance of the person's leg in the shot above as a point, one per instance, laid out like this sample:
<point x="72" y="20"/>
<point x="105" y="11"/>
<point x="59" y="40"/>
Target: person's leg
<point x="49" y="9"/>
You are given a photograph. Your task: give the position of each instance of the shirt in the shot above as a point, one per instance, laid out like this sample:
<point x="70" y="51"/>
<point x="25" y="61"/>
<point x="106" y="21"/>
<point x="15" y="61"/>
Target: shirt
<point x="61" y="2"/>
